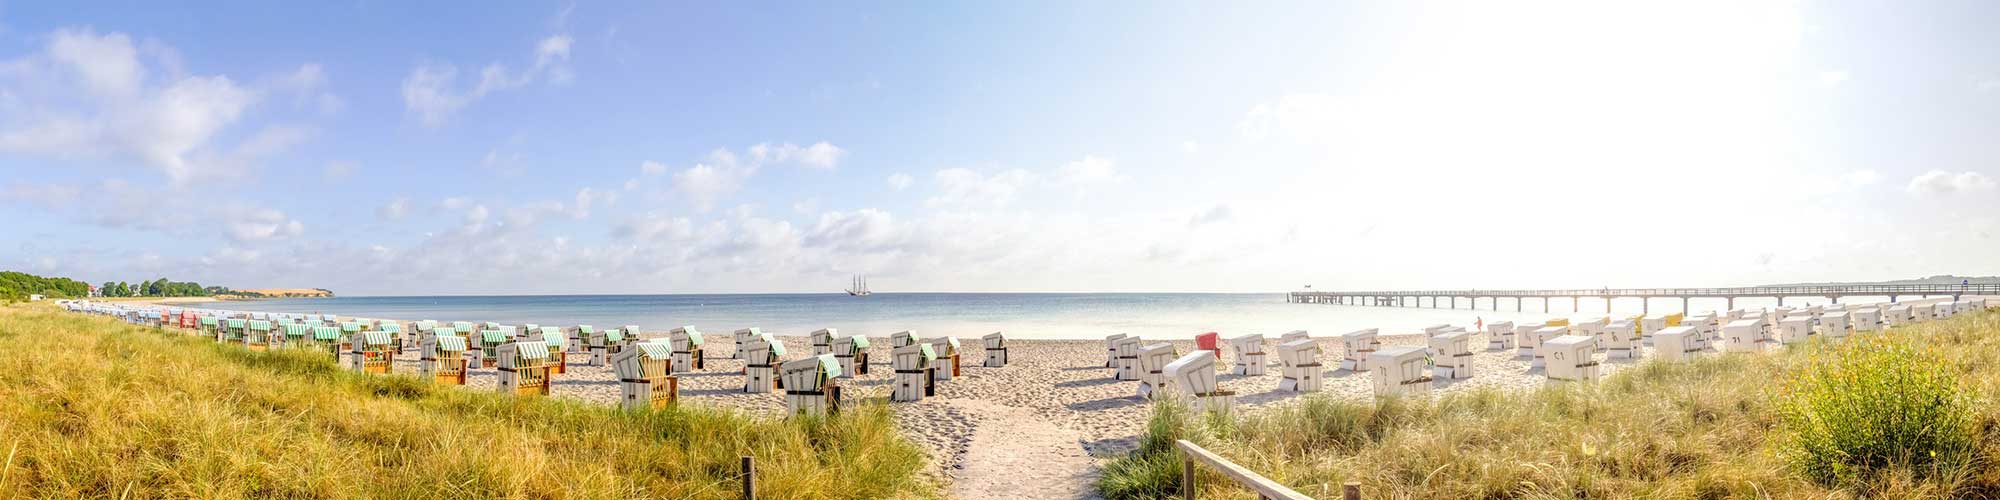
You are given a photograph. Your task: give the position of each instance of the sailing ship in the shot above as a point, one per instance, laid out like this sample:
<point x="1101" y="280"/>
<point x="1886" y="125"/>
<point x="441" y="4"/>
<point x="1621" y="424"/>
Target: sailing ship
<point x="860" y="286"/>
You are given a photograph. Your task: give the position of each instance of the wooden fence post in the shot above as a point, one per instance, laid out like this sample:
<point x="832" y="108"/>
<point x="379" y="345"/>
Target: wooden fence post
<point x="1187" y="476"/>
<point x="749" y="478"/>
<point x="1350" y="490"/>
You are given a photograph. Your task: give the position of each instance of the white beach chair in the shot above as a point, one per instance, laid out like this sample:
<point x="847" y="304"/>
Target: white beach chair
<point x="370" y="352"/>
<point x="1921" y="312"/>
<point x="1400" y="371"/>
<point x="1624" y="339"/>
<point x="947" y="359"/>
<point x="1571" y="358"/>
<point x="852" y="354"/>
<point x="1794" y="329"/>
<point x="762" y="355"/>
<point x="913" y="372"/>
<point x="1944" y="310"/>
<point x="1525" y="338"/>
<point x="1435" y="329"/>
<point x="1194" y="374"/>
<point x="743" y="338"/>
<point x="1111" y="350"/>
<point x="1836" y="325"/>
<point x="1866" y="319"/>
<point x="1292" y="336"/>
<point x="1500" y="336"/>
<point x="1745" y="335"/>
<point x="822" y="340"/>
<point x="1299" y="364"/>
<point x="1249" y="354"/>
<point x="996" y="350"/>
<point x="524" y="369"/>
<point x="688" y="354"/>
<point x="1676" y="343"/>
<point x="1128" y="358"/>
<point x="1593" y="327"/>
<point x="810" y="385"/>
<point x="1356" y="345"/>
<point x="441" y="357"/>
<point x="903" y="338"/>
<point x="645" y="376"/>
<point x="1542" y="336"/>
<point x="1452" y="353"/>
<point x="1153" y="361"/>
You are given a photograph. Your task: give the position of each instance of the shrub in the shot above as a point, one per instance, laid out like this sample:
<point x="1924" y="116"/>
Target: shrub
<point x="1860" y="411"/>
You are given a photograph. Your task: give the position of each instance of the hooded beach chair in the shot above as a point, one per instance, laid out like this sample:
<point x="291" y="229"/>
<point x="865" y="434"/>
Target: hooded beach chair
<point x="1357" y="345"/>
<point x="1867" y="319"/>
<point x="1111" y="350"/>
<point x="852" y="353"/>
<point x="257" y="336"/>
<point x="395" y="331"/>
<point x="687" y="352"/>
<point x="1400" y="371"/>
<point x="1249" y="354"/>
<point x="1624" y="340"/>
<point x="1541" y="335"/>
<point x="489" y="347"/>
<point x="914" y="375"/>
<point x="579" y="338"/>
<point x="1676" y="343"/>
<point x="822" y="340"/>
<point x="1746" y="335"/>
<point x="1299" y="364"/>
<point x="1128" y="359"/>
<point x="1452" y="353"/>
<point x="1571" y="358"/>
<point x="1500" y="336"/>
<point x="442" y="357"/>
<point x="1194" y="375"/>
<point x="903" y="338"/>
<point x="558" y="343"/>
<point x="762" y="355"/>
<point x="234" y="329"/>
<point x="210" y="327"/>
<point x="645" y="376"/>
<point x="294" y="336"/>
<point x="606" y="343"/>
<point x="370" y="352"/>
<point x="996" y="350"/>
<point x="1836" y="325"/>
<point x="524" y="369"/>
<point x="1209" y="341"/>
<point x="946" y="349"/>
<point x="324" y="339"/>
<point x="743" y="338"/>
<point x="1793" y="329"/>
<point x="1153" y="361"/>
<point x="811" y="386"/>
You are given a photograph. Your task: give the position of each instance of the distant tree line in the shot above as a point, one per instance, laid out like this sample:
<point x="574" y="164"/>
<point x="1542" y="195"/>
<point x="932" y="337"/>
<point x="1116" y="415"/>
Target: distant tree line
<point x="15" y="286"/>
<point x="159" y="288"/>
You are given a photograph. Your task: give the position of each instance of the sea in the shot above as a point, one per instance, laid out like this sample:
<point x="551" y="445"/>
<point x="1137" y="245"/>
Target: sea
<point x="1018" y="315"/>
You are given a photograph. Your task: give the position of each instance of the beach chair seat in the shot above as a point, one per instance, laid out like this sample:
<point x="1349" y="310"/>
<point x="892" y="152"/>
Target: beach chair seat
<point x="1194" y="376"/>
<point x="523" y="368"/>
<point x="996" y="350"/>
<point x="1452" y="353"/>
<point x="1571" y="358"/>
<point x="1299" y="364"/>
<point x="946" y="349"/>
<point x="1153" y="361"/>
<point x="645" y="376"/>
<point x="1400" y="371"/>
<point x="687" y="344"/>
<point x="442" y="357"/>
<point x="852" y="353"/>
<point x="762" y="355"/>
<point x="1249" y="354"/>
<point x="915" y="377"/>
<point x="811" y="385"/>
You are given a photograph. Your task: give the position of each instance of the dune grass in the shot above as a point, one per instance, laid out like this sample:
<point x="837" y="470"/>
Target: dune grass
<point x="92" y="407"/>
<point x="1903" y="414"/>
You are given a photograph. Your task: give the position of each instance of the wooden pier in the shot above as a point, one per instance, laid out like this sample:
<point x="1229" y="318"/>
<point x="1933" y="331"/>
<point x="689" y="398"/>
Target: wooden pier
<point x="1415" y="298"/>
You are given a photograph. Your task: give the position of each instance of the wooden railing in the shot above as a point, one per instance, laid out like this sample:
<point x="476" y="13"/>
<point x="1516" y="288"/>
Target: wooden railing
<point x="1266" y="489"/>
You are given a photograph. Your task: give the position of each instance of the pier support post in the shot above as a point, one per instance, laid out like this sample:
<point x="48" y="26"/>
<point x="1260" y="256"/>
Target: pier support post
<point x="1646" y="306"/>
<point x="1517" y="304"/>
<point x="1575" y="304"/>
<point x="1781" y="301"/>
<point x="1607" y="305"/>
<point x="1732" y="303"/>
<point x="1545" y="305"/>
<point x="1684" y="305"/>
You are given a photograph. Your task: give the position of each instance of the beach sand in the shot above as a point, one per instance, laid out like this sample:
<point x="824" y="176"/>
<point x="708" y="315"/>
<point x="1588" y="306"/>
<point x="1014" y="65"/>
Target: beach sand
<point x="1036" y="428"/>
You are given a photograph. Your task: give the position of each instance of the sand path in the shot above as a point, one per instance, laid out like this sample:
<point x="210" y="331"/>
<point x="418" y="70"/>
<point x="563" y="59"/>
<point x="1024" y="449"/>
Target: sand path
<point x="1015" y="455"/>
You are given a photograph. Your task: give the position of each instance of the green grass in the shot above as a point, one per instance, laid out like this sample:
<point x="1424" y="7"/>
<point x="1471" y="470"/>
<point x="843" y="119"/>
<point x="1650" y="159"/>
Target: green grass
<point x="91" y="407"/>
<point x="1721" y="426"/>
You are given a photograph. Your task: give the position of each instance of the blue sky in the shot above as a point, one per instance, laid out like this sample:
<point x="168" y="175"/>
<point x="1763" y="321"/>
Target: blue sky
<point x="382" y="148"/>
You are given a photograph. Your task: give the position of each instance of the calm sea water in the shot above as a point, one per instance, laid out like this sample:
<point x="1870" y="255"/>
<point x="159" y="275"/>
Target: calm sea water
<point x="1020" y="315"/>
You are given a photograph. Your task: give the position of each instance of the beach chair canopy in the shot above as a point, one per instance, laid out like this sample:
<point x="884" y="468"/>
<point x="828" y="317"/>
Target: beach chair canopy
<point x="554" y="337"/>
<point x="237" y="322"/>
<point x="391" y="327"/>
<point x="859" y="342"/>
<point x="493" y="336"/>
<point x="929" y="355"/>
<point x="444" y="331"/>
<point x="207" y="321"/>
<point x="586" y="329"/>
<point x="376" y="337"/>
<point x="260" y="325"/>
<point x="297" y="329"/>
<point x="350" y="326"/>
<point x="777" y="348"/>
<point x="450" y="343"/>
<point x="614" y="335"/>
<point x="531" y="350"/>
<point x="325" y="333"/>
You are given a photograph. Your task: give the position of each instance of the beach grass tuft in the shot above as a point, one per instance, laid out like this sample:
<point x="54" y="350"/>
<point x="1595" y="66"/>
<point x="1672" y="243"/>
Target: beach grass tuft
<point x="93" y="407"/>
<point x="1905" y="413"/>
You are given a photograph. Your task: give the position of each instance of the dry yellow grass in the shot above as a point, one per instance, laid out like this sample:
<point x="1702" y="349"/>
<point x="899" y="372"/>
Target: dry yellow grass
<point x="90" y="407"/>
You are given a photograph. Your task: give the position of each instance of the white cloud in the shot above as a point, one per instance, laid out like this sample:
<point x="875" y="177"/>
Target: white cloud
<point x="1832" y="78"/>
<point x="1939" y="182"/>
<point x="1217" y="213"/>
<point x="249" y="224"/>
<point x="394" y="210"/>
<point x="820" y="155"/>
<point x="899" y="181"/>
<point x="967" y="188"/>
<point x="650" y="168"/>
<point x="1089" y="170"/>
<point x="87" y="96"/>
<point x="1989" y="84"/>
<point x="308" y="86"/>
<point x="1859" y="178"/>
<point x="508" y="164"/>
<point x="431" y="95"/>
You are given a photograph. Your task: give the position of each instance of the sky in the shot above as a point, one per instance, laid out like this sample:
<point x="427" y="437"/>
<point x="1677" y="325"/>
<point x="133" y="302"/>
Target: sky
<point x="411" y="148"/>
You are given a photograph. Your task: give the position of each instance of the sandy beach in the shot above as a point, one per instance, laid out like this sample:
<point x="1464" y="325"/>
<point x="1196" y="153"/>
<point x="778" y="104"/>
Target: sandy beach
<point x="1034" y="429"/>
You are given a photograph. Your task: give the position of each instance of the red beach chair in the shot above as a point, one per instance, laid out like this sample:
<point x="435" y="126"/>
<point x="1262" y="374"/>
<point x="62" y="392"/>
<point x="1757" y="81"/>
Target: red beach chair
<point x="1208" y="342"/>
